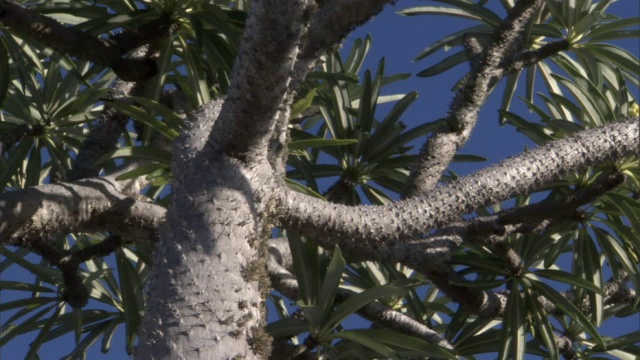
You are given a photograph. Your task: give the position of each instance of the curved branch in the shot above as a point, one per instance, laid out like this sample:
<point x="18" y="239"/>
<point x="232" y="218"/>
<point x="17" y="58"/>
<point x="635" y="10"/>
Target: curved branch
<point x="355" y="228"/>
<point x="438" y="151"/>
<point x="330" y="25"/>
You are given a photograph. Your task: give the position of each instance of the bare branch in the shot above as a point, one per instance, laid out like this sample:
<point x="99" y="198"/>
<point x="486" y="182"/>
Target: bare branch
<point x="529" y="57"/>
<point x="148" y="33"/>
<point x="356" y="228"/>
<point x="261" y="76"/>
<point x="563" y="208"/>
<point x="90" y="205"/>
<point x="439" y="150"/>
<point x="330" y="25"/>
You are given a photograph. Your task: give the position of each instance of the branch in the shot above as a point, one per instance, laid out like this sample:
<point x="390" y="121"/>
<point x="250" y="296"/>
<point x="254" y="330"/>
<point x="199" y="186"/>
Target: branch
<point x="74" y="292"/>
<point x="103" y="137"/>
<point x="261" y="75"/>
<point x="529" y="57"/>
<point x="565" y="346"/>
<point x="30" y="25"/>
<point x="530" y="217"/>
<point x="491" y="231"/>
<point x="563" y="208"/>
<point x="330" y="25"/>
<point x="90" y="205"/>
<point x="430" y="254"/>
<point x="356" y="228"/>
<point x="438" y="151"/>
<point x="149" y="33"/>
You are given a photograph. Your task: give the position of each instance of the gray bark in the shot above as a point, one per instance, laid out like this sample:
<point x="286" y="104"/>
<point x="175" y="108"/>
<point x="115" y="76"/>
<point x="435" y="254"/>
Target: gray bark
<point x="206" y="296"/>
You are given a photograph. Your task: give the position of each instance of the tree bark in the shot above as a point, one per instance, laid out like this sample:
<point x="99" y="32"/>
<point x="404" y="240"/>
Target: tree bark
<point x="206" y="296"/>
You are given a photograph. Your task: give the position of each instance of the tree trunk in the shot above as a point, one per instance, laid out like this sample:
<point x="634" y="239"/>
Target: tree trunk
<point x="206" y="298"/>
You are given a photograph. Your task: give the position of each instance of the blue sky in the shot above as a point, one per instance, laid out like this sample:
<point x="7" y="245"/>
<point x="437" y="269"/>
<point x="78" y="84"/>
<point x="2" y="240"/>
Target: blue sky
<point x="399" y="39"/>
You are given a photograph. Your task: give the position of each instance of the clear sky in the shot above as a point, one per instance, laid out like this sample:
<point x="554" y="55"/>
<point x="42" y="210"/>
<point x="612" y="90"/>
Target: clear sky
<point x="399" y="39"/>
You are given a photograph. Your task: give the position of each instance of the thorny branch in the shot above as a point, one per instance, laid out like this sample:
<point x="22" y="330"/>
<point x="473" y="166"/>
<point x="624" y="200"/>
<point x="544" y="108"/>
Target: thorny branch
<point x="358" y="227"/>
<point x="438" y="151"/>
<point x="492" y="231"/>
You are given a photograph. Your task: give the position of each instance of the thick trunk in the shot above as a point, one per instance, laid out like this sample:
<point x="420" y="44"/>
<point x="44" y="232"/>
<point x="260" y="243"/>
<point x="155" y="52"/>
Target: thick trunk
<point x="205" y="297"/>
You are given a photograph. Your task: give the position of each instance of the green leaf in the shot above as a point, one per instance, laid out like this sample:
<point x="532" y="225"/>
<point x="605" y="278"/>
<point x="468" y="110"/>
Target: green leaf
<point x="34" y="166"/>
<point x="88" y="340"/>
<point x="478" y="284"/>
<point x="172" y="120"/>
<point x="22" y="286"/>
<point x="512" y="334"/>
<point x="142" y="170"/>
<point x="303" y="104"/>
<point x="616" y="56"/>
<point x="293" y="185"/>
<point x="510" y="89"/>
<point x="145" y="117"/>
<point x="455" y="38"/>
<point x="287" y="327"/>
<point x="365" y="340"/>
<point x="461" y="9"/>
<point x="589" y="264"/>
<point x="108" y="336"/>
<point x="603" y="29"/>
<point x="16" y="158"/>
<point x="307" y="280"/>
<point x="619" y="342"/>
<point x="107" y="22"/>
<point x="44" y="273"/>
<point x="367" y="104"/>
<point x="319" y="142"/>
<point x="444" y="65"/>
<point x="481" y="262"/>
<point x="27" y="303"/>
<point x="331" y="282"/>
<point x="567" y="308"/>
<point x="568" y="278"/>
<point x="24" y="327"/>
<point x="468" y="158"/>
<point x="44" y="332"/>
<point x="628" y="206"/>
<point x="540" y="327"/>
<point x="4" y="69"/>
<point x="132" y="302"/>
<point x="488" y="341"/>
<point x="355" y="302"/>
<point x="397" y="340"/>
<point x="136" y="152"/>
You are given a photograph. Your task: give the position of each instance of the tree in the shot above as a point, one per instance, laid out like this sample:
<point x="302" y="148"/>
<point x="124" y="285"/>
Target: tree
<point x="161" y="158"/>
